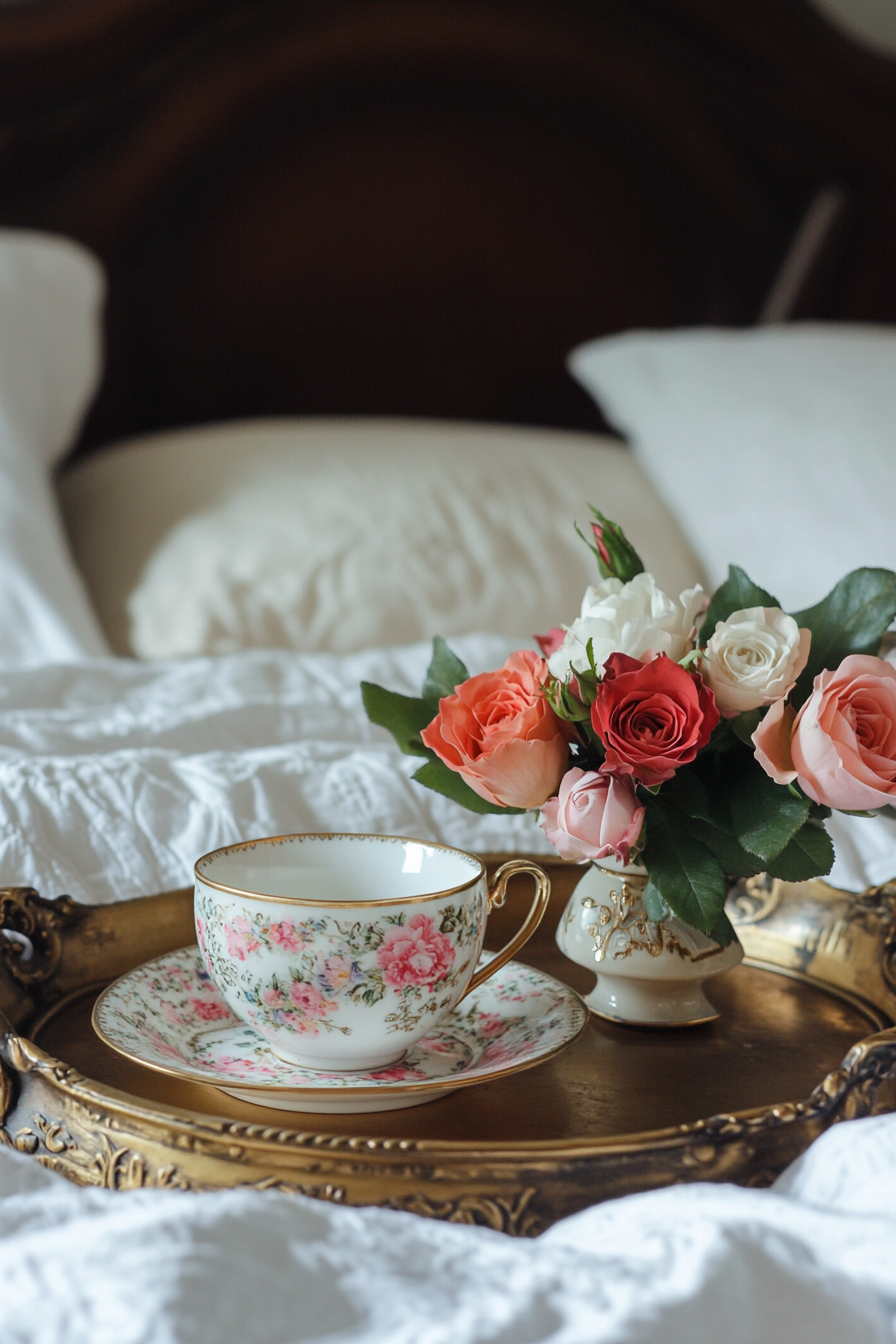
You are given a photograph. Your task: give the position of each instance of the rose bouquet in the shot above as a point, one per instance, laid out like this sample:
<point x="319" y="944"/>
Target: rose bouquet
<point x="706" y="739"/>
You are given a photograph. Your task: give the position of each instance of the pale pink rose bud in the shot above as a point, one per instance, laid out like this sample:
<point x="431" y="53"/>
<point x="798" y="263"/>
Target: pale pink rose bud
<point x="593" y="816"/>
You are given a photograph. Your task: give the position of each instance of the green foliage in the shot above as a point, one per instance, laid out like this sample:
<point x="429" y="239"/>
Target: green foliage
<point x="687" y="876"/>
<point x="446" y="671"/>
<point x="439" y="777"/>
<point x="736" y="593"/>
<point x="404" y="716"/>
<point x="809" y="854"/>
<point x="851" y="619"/>
<point x="765" y="816"/>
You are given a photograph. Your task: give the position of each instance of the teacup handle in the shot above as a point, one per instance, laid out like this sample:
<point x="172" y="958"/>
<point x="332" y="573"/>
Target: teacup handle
<point x="497" y="893"/>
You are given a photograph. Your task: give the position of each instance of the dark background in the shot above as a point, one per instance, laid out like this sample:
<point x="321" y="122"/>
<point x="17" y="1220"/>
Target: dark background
<point x="417" y="207"/>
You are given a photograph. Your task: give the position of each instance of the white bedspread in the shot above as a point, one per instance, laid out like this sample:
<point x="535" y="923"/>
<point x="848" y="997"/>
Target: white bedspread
<point x="114" y="778"/>
<point x="813" y="1262"/>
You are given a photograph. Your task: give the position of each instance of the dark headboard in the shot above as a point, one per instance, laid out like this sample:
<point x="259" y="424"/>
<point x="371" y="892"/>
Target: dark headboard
<point x="418" y="206"/>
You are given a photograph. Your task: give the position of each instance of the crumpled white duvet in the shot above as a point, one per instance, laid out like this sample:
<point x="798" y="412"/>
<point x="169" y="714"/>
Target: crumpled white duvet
<point x="811" y="1262"/>
<point x="115" y="776"/>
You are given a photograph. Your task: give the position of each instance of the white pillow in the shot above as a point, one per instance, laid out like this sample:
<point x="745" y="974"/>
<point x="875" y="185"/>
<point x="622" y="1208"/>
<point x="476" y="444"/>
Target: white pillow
<point x="775" y="447"/>
<point x="336" y="535"/>
<point x="50" y="296"/>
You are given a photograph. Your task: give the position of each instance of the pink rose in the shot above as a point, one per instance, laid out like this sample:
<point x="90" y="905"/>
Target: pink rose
<point x="210" y="1011"/>
<point x="287" y="937"/>
<point x="309" y="1000"/>
<point x="841" y="746"/>
<point x="414" y="954"/>
<point x="593" y="816"/>
<point x="499" y="733"/>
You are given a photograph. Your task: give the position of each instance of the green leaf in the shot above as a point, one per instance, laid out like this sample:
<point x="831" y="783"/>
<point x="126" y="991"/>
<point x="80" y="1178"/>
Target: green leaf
<point x="765" y="816"/>
<point x="404" y="716"/>
<point x="735" y="860"/>
<point x="746" y="724"/>
<point x="736" y="593"/>
<point x="654" y="906"/>
<point x="688" y="793"/>
<point x="687" y="876"/>
<point x="851" y="619"/>
<point x="445" y="672"/>
<point x="809" y="854"/>
<point x="436" y="775"/>
<point x="723" y="930"/>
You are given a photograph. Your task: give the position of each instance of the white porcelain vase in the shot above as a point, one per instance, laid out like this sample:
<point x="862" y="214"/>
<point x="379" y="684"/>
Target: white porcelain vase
<point x="649" y="975"/>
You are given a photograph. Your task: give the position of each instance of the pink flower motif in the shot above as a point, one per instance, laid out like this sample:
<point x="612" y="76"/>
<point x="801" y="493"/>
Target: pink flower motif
<point x="164" y="1048"/>
<point x="241" y="938"/>
<point x="208" y="1010"/>
<point x="200" y="932"/>
<point x="309" y="1000"/>
<point x="501" y="1053"/>
<point x="286" y="936"/>
<point x="415" y="954"/>
<point x="397" y="1074"/>
<point x="490" y="1024"/>
<point x="274" y="998"/>
<point x="227" y="1064"/>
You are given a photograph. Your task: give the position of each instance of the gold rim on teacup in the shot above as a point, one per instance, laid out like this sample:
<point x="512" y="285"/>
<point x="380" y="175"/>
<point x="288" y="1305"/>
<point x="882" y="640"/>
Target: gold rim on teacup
<point x="336" y="835"/>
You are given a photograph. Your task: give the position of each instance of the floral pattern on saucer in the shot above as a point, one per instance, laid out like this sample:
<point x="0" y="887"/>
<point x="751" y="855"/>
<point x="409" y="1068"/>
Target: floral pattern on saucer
<point x="170" y="1015"/>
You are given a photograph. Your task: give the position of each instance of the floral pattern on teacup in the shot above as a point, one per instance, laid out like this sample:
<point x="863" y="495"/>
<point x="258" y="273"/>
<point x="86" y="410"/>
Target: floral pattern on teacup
<point x="169" y="1012"/>
<point x="417" y="961"/>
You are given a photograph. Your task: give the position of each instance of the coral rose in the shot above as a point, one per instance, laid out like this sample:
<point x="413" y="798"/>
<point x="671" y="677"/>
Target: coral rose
<point x="841" y="746"/>
<point x="499" y="733"/>
<point x="651" y="717"/>
<point x="593" y="816"/>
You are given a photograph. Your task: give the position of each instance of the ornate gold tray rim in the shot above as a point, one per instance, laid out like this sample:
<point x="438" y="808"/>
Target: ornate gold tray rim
<point x="836" y="941"/>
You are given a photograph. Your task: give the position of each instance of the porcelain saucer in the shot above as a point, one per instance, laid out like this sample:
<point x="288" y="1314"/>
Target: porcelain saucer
<point x="169" y="1015"/>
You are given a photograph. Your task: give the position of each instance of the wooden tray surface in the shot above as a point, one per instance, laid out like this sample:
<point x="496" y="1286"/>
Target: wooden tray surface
<point x="804" y="1039"/>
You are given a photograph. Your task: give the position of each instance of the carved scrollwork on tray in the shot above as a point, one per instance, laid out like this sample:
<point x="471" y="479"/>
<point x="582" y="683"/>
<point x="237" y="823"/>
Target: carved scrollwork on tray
<point x="847" y="1093"/>
<point x="498" y="1212"/>
<point x="753" y="899"/>
<point x="880" y="904"/>
<point x="31" y="929"/>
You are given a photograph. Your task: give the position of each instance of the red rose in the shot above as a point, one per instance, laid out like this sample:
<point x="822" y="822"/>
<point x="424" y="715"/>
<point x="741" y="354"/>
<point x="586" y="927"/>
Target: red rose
<point x="651" y="717"/>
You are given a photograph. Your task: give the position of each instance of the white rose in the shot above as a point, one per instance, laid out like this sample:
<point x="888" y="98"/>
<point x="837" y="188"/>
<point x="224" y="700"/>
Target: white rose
<point x="634" y="618"/>
<point x="754" y="658"/>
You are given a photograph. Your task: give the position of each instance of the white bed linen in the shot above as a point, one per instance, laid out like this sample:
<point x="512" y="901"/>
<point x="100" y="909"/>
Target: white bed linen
<point x="116" y="776"/>
<point x="812" y="1262"/>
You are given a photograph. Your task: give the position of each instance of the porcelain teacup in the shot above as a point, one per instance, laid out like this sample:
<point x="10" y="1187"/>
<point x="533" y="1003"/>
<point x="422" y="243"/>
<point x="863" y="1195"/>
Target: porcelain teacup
<point x="344" y="950"/>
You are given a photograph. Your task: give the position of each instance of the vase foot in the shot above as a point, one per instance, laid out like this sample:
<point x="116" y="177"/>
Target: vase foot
<point x="650" y="1003"/>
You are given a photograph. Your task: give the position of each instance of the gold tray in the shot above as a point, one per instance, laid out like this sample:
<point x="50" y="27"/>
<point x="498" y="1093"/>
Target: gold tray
<point x="805" y="1039"/>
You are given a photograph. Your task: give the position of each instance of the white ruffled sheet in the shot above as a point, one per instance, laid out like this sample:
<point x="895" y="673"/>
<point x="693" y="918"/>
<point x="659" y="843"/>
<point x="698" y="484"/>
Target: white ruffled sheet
<point x="114" y="778"/>
<point x="811" y="1262"/>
